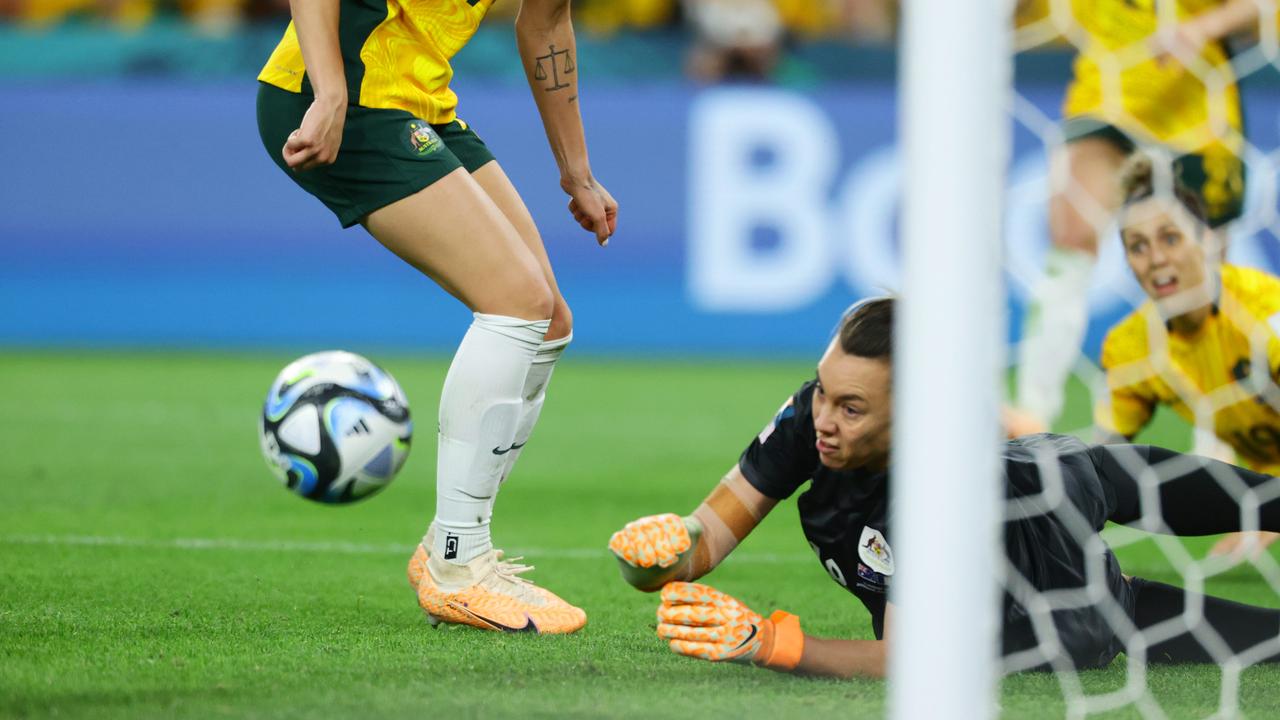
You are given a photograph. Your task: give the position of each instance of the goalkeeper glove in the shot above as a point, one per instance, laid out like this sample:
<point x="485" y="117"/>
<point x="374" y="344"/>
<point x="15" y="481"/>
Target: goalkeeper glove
<point x="656" y="549"/>
<point x="702" y="622"/>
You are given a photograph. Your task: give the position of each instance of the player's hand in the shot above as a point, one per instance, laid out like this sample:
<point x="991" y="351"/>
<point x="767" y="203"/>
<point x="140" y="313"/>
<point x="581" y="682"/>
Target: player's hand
<point x="653" y="550"/>
<point x="1240" y="546"/>
<point x="317" y="139"/>
<point x="1184" y="41"/>
<point x="593" y="207"/>
<point x="701" y="622"/>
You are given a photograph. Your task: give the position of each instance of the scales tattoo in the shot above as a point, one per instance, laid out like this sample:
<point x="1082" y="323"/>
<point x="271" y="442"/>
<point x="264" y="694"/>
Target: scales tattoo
<point x="558" y="68"/>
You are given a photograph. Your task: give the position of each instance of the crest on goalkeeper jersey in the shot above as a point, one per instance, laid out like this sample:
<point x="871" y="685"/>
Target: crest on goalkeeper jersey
<point x="874" y="550"/>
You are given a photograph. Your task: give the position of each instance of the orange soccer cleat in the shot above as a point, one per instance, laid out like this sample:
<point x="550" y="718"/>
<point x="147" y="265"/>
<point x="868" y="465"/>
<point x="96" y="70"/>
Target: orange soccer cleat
<point x="417" y="566"/>
<point x="489" y="593"/>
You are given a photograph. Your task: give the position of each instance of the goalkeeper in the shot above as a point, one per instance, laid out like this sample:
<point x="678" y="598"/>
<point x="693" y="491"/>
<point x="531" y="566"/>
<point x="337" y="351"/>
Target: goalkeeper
<point x="835" y="434"/>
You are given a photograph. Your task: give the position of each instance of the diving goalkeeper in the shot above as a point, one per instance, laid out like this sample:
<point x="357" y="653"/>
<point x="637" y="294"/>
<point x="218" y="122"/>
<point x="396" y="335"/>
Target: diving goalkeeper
<point x="834" y="433"/>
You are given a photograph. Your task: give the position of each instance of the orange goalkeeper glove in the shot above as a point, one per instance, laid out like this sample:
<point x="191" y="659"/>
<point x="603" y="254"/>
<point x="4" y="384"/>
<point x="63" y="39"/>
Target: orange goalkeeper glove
<point x="702" y="622"/>
<point x="656" y="549"/>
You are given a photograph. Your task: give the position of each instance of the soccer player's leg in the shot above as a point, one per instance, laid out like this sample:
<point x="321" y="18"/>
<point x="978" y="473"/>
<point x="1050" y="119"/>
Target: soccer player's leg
<point x="1160" y="609"/>
<point x="474" y="253"/>
<point x="498" y="187"/>
<point x="1083" y="203"/>
<point x="1195" y="495"/>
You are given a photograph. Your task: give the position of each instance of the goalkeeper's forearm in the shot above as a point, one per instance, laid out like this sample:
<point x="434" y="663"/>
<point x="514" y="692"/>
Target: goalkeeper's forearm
<point x="732" y="510"/>
<point x="725" y="517"/>
<point x="848" y="658"/>
<point x="843" y="658"/>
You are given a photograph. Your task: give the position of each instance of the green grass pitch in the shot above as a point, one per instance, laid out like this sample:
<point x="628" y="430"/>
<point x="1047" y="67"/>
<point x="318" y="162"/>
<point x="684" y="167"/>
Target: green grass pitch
<point x="151" y="567"/>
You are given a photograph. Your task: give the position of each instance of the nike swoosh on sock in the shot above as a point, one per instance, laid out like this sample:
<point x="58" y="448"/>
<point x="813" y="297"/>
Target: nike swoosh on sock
<point x="514" y="446"/>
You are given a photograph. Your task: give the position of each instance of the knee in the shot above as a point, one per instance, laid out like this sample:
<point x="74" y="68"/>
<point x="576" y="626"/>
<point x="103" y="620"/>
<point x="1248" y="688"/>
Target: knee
<point x="561" y="320"/>
<point x="534" y="303"/>
<point x="532" y="298"/>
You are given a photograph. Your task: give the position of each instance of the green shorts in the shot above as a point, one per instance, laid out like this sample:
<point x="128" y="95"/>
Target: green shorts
<point x="1217" y="176"/>
<point x="386" y="155"/>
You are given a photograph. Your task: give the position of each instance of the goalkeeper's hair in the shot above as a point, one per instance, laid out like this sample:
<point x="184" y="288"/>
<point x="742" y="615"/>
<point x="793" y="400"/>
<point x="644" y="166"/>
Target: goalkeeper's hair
<point x="1138" y="182"/>
<point x="866" y="330"/>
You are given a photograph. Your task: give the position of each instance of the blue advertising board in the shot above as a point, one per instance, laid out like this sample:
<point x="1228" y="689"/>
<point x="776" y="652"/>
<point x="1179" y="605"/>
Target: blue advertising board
<point x="141" y="213"/>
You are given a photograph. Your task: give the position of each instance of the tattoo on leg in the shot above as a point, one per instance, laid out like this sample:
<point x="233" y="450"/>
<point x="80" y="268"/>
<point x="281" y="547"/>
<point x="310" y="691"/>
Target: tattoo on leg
<point x="558" y="68"/>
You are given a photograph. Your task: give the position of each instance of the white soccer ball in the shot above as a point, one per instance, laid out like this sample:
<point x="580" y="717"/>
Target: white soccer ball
<point x="335" y="427"/>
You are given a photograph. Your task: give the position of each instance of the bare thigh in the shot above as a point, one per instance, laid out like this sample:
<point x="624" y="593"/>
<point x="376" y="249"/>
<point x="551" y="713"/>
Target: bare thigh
<point x="498" y="187"/>
<point x="1084" y="205"/>
<point x="454" y="233"/>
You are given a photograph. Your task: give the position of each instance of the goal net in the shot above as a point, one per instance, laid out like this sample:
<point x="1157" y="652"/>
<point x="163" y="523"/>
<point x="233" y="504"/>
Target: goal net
<point x="1152" y="313"/>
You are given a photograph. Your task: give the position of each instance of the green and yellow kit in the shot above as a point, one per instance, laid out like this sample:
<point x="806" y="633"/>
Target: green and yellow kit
<point x="1213" y="370"/>
<point x="1122" y="91"/>
<point x="402" y="132"/>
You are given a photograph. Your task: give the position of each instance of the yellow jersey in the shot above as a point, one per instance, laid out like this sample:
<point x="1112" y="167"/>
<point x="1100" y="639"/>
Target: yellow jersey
<point x="1119" y="81"/>
<point x="1206" y="378"/>
<point x="395" y="53"/>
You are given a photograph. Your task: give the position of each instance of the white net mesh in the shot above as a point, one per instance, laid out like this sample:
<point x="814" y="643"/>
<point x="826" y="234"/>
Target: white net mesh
<point x="1153" y="70"/>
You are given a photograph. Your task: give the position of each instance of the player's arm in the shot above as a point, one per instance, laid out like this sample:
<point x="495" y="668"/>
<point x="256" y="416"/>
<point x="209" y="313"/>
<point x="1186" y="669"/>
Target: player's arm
<point x="544" y="35"/>
<point x="317" y="139"/>
<point x="847" y="658"/>
<point x="1121" y="416"/>
<point x="1189" y="37"/>
<point x="701" y="622"/>
<point x="658" y="549"/>
<point x="1129" y="403"/>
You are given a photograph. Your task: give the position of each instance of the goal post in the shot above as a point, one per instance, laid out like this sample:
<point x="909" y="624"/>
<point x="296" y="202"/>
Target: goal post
<point x="955" y="86"/>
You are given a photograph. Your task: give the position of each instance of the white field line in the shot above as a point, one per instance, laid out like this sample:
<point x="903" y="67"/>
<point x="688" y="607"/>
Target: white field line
<point x="336" y="547"/>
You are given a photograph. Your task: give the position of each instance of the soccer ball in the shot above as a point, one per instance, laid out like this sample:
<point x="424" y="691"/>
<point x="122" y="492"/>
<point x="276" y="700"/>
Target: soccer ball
<point x="335" y="427"/>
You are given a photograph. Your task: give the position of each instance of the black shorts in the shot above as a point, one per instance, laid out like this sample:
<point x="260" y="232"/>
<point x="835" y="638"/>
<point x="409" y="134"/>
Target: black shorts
<point x="1056" y="550"/>
<point x="386" y="155"/>
<point x="1216" y="176"/>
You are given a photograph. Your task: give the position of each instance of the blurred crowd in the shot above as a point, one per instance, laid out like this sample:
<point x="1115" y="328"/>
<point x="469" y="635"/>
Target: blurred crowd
<point x="850" y="19"/>
<point x="729" y="37"/>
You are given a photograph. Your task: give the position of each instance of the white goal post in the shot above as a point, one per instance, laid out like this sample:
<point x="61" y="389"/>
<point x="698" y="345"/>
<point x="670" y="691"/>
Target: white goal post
<point x="955" y="85"/>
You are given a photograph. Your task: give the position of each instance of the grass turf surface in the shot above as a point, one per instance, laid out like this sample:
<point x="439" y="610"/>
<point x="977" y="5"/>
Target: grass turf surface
<point x="150" y="567"/>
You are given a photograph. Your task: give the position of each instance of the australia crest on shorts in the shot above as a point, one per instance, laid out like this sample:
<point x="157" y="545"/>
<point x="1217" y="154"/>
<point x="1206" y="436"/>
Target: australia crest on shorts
<point x="422" y="138"/>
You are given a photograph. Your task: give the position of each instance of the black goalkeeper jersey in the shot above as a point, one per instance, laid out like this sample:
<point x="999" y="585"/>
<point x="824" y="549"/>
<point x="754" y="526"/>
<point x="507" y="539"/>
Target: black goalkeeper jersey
<point x="1048" y="534"/>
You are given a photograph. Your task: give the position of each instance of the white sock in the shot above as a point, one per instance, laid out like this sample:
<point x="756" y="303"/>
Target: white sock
<point x="479" y="410"/>
<point x="1053" y="332"/>
<point x="534" y="394"/>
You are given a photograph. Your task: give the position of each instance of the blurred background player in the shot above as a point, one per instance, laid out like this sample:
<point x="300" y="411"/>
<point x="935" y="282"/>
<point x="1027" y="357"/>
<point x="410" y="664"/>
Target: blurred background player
<point x="734" y="39"/>
<point x="1204" y="344"/>
<point x="355" y="106"/>
<point x="1133" y="83"/>
<point x="835" y="433"/>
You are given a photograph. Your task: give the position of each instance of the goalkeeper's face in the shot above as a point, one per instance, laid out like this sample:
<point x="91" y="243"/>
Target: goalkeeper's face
<point x="851" y="410"/>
